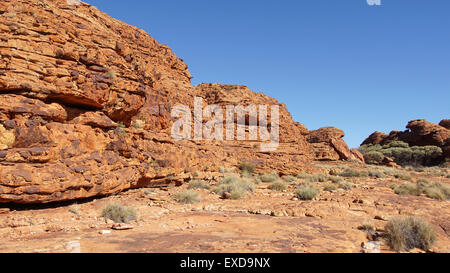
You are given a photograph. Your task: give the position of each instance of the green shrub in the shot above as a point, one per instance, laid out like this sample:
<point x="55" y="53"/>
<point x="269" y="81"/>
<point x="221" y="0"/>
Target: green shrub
<point x="225" y="170"/>
<point x="408" y="233"/>
<point x="408" y="189"/>
<point x="277" y="186"/>
<point x="307" y="192"/>
<point x="303" y="175"/>
<point x="268" y="178"/>
<point x="376" y="174"/>
<point x="436" y="190"/>
<point x="319" y="178"/>
<point x="345" y="185"/>
<point x="235" y="186"/>
<point x="289" y="178"/>
<point x="403" y="176"/>
<point x="119" y="213"/>
<point x="329" y="187"/>
<point x="373" y="157"/>
<point x="354" y="173"/>
<point x="402" y="154"/>
<point x="198" y="184"/>
<point x="187" y="197"/>
<point x="335" y="179"/>
<point x="247" y="166"/>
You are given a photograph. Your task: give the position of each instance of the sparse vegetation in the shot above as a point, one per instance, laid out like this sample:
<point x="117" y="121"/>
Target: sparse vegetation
<point x="354" y="173"/>
<point x="368" y="228"/>
<point x="119" y="213"/>
<point x="303" y="175"/>
<point x="434" y="190"/>
<point x="408" y="233"/>
<point x="247" y="167"/>
<point x="187" y="197"/>
<point x="277" y="186"/>
<point x="345" y="185"/>
<point x="269" y="178"/>
<point x="307" y="192"/>
<point x="235" y="186"/>
<point x="335" y="179"/>
<point x="225" y="170"/>
<point x="377" y="174"/>
<point x="330" y="188"/>
<point x="289" y="178"/>
<point x="408" y="189"/>
<point x="198" y="184"/>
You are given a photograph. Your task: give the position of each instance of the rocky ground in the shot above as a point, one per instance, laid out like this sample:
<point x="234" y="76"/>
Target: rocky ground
<point x="263" y="221"/>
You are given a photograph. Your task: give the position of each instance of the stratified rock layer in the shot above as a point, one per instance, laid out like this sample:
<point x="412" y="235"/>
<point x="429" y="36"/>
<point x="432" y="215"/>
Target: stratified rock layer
<point x="85" y="105"/>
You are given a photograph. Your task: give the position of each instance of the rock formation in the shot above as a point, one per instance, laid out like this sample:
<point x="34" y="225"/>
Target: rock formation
<point x="419" y="133"/>
<point x="85" y="109"/>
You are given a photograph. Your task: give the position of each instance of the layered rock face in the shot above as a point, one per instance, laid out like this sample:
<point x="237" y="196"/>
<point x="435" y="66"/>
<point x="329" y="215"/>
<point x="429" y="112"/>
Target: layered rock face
<point x="419" y="133"/>
<point x="85" y="109"/>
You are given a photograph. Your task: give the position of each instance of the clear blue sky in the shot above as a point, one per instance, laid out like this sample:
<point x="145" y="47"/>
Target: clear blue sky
<point x="337" y="63"/>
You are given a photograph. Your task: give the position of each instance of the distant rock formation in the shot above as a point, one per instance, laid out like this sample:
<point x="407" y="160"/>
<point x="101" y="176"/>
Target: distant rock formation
<point x="420" y="133"/>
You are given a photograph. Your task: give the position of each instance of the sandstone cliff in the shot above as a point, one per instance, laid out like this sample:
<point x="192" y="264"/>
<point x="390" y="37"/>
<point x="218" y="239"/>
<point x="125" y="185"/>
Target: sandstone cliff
<point x="85" y="104"/>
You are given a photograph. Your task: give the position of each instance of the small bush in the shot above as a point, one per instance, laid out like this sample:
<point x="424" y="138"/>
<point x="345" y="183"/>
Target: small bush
<point x="198" y="184"/>
<point x="373" y="157"/>
<point x="345" y="185"/>
<point x="307" y="192"/>
<point x="329" y="187"/>
<point x="354" y="173"/>
<point x="268" y="178"/>
<point x="403" y="176"/>
<point x="247" y="166"/>
<point x="367" y="228"/>
<point x="237" y="187"/>
<point x="319" y="178"/>
<point x="303" y="175"/>
<point x="376" y="174"/>
<point x="119" y="213"/>
<point x="408" y="233"/>
<point x="277" y="186"/>
<point x="225" y="170"/>
<point x="187" y="197"/>
<point x="289" y="178"/>
<point x="436" y="190"/>
<point x="408" y="189"/>
<point x="335" y="179"/>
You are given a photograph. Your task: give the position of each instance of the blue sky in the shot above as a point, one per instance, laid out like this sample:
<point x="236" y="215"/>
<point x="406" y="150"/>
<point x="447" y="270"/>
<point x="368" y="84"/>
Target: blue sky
<point x="337" y="63"/>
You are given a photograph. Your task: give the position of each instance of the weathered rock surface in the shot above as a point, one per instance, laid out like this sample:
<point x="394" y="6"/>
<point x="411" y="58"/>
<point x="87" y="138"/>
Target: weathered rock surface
<point x="419" y="133"/>
<point x="87" y="100"/>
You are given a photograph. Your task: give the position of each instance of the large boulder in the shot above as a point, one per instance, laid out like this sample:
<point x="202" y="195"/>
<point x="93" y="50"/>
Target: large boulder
<point x="332" y="137"/>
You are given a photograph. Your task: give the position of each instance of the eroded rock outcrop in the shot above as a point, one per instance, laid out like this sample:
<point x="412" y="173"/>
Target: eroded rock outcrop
<point x="86" y="100"/>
